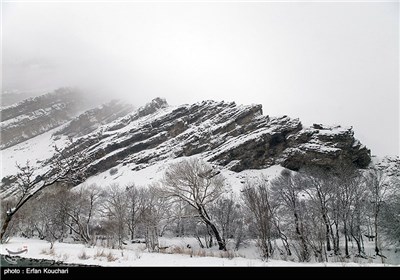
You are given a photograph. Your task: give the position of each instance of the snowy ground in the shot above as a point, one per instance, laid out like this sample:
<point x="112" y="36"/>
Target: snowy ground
<point x="137" y="255"/>
<point x="126" y="175"/>
<point x="36" y="149"/>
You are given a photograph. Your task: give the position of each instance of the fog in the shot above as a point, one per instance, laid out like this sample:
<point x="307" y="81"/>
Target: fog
<point x="322" y="62"/>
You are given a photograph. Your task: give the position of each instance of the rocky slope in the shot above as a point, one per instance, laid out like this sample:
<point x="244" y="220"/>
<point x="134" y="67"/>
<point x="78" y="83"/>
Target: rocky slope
<point x="8" y="98"/>
<point x="235" y="137"/>
<point x="34" y="116"/>
<point x="389" y="164"/>
<point x="94" y="118"/>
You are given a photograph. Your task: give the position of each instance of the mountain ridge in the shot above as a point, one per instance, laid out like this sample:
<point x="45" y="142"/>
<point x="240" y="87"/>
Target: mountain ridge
<point x="231" y="136"/>
<point x="36" y="115"/>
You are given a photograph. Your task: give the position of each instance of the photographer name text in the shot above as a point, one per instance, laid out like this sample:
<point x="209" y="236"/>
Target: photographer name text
<point x="34" y="270"/>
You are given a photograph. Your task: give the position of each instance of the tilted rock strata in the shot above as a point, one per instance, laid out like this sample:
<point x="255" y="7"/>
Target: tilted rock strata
<point x="233" y="136"/>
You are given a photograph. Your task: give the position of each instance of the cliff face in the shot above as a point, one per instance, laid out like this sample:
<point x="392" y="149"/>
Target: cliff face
<point x="35" y="116"/>
<point x="90" y="120"/>
<point x="324" y="146"/>
<point x="232" y="136"/>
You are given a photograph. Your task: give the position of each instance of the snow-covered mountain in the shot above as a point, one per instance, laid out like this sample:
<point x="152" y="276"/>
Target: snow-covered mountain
<point x="236" y="137"/>
<point x="37" y="115"/>
<point x="233" y="137"/>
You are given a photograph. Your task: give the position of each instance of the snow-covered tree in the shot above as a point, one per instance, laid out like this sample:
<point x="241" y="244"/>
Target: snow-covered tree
<point x="379" y="190"/>
<point x="390" y="218"/>
<point x="65" y="168"/>
<point x="287" y="188"/>
<point x="80" y="208"/>
<point x="133" y="208"/>
<point x="154" y="214"/>
<point x="115" y="209"/>
<point x="256" y="197"/>
<point x="197" y="184"/>
<point x="228" y="214"/>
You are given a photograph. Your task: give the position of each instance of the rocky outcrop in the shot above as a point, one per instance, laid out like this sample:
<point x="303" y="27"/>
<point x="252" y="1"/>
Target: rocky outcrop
<point x="35" y="116"/>
<point x="67" y="108"/>
<point x="390" y="165"/>
<point x="149" y="108"/>
<point x="92" y="119"/>
<point x="233" y="136"/>
<point x="12" y="97"/>
<point x="324" y="146"/>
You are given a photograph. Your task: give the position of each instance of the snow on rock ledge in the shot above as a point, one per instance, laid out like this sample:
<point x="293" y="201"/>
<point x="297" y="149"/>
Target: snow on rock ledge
<point x="235" y="137"/>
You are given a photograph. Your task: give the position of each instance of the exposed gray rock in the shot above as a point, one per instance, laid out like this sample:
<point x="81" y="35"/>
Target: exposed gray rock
<point x="236" y="137"/>
<point x="389" y="164"/>
<point x="13" y="97"/>
<point x="233" y="136"/>
<point x="94" y="118"/>
<point x="324" y="146"/>
<point x="35" y="116"/>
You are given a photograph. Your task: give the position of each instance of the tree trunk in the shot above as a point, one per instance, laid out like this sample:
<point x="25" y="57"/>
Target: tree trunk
<point x="357" y="239"/>
<point x="335" y="238"/>
<point x="221" y="244"/>
<point x="376" y="233"/>
<point x="346" y="242"/>
<point x="328" y="243"/>
<point x="283" y="238"/>
<point x="305" y="254"/>
<point x="285" y="243"/>
<point x="204" y="216"/>
<point x="5" y="226"/>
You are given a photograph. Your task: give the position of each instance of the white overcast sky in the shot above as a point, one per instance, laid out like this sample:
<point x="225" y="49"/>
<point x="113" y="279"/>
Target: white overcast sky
<point x="322" y="62"/>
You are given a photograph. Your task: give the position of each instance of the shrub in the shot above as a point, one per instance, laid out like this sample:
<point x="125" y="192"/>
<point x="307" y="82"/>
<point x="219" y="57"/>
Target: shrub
<point x="113" y="171"/>
<point x="83" y="256"/>
<point x="111" y="257"/>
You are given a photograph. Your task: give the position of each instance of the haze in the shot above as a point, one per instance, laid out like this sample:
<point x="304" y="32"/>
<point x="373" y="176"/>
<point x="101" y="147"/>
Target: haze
<point x="322" y="62"/>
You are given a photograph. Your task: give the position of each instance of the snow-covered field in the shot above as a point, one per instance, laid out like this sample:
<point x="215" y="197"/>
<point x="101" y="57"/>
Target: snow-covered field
<point x="36" y="150"/>
<point x="137" y="255"/>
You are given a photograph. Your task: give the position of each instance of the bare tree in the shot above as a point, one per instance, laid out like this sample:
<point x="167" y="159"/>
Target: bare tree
<point x="357" y="213"/>
<point x="49" y="216"/>
<point x="345" y="194"/>
<point x="379" y="188"/>
<point x="154" y="210"/>
<point x="133" y="208"/>
<point x="64" y="168"/>
<point x="287" y="188"/>
<point x="319" y="187"/>
<point x="227" y="215"/>
<point x="80" y="207"/>
<point x="256" y="197"/>
<point x="197" y="184"/>
<point x="43" y="216"/>
<point x="115" y="208"/>
<point x="390" y="218"/>
<point x="334" y="208"/>
<point x="180" y="210"/>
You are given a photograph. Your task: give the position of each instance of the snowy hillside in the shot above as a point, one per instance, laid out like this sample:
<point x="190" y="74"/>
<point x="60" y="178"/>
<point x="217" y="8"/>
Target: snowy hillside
<point x="233" y="137"/>
<point x="37" y="115"/>
<point x="112" y="159"/>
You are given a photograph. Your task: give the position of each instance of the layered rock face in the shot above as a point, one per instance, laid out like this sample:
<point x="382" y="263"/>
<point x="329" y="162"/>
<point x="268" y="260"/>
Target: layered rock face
<point x="34" y="116"/>
<point x="88" y="121"/>
<point x="324" y="146"/>
<point x="235" y="137"/>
